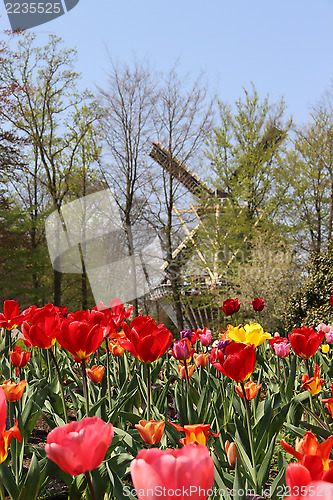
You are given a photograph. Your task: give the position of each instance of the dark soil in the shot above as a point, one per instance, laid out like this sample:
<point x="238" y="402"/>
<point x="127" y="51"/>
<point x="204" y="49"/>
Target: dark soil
<point x="56" y="488"/>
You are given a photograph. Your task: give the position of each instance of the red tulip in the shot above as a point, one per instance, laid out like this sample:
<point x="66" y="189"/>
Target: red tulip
<point x="113" y="319"/>
<point x="80" y="338"/>
<point x="309" y="445"/>
<point x="307" y="479"/>
<point x="81" y="446"/>
<point x="305" y="341"/>
<point x="6" y="436"/>
<point x="45" y="325"/>
<point x="277" y="340"/>
<point x="239" y="361"/>
<point x="258" y="304"/>
<point x="331" y="300"/>
<point x="188" y="471"/>
<point x="230" y="306"/>
<point x="18" y="357"/>
<point x="11" y="317"/>
<point x="146" y="340"/>
<point x="328" y="402"/>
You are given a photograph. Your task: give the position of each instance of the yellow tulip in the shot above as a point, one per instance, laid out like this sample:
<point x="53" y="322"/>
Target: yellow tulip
<point x="250" y="334"/>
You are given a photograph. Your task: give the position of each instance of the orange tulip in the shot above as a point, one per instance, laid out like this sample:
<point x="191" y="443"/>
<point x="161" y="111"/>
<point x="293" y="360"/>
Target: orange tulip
<point x="328" y="404"/>
<point x="309" y="445"/>
<point x="13" y="392"/>
<point x="197" y="433"/>
<point x="200" y="359"/>
<point x="251" y="390"/>
<point x="151" y="432"/>
<point x="95" y="373"/>
<point x="232" y="453"/>
<point x="181" y="370"/>
<point x="313" y="384"/>
<point x="115" y="348"/>
<point x="6" y="436"/>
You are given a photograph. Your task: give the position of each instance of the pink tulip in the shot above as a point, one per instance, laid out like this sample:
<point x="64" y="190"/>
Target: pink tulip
<point x="323" y="328"/>
<point x="179" y="473"/>
<point x="329" y="337"/>
<point x="281" y="349"/>
<point x="78" y="447"/>
<point x="328" y="330"/>
<point x="181" y="349"/>
<point x="206" y="338"/>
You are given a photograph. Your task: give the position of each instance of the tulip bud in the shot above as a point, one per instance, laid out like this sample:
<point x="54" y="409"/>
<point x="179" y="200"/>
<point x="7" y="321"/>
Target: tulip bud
<point x="116" y="349"/>
<point x="181" y="370"/>
<point x="232" y="453"/>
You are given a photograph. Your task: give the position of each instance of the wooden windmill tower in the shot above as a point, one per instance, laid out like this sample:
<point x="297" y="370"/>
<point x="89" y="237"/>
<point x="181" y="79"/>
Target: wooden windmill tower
<point x="194" y="317"/>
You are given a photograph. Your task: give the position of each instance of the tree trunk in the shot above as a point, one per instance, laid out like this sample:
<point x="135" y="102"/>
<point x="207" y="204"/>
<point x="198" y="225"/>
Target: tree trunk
<point x="57" y="277"/>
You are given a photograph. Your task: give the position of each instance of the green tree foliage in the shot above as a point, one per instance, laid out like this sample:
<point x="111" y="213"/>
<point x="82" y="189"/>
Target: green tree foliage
<point x="272" y="273"/>
<point x="310" y="304"/>
<point x="45" y="107"/>
<point x="309" y="201"/>
<point x="247" y="150"/>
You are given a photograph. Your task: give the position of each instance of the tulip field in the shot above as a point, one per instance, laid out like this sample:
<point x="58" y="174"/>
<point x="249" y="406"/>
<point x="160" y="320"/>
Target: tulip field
<point x="135" y="411"/>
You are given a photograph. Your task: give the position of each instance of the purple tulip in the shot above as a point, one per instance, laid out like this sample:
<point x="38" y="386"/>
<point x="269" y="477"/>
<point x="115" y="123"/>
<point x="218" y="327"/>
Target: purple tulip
<point x="186" y="334"/>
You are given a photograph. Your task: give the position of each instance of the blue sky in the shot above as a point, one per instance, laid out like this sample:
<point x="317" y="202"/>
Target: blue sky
<point x="285" y="48"/>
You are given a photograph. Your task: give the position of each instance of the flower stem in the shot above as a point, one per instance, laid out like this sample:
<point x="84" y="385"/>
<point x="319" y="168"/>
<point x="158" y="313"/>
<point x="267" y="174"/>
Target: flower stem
<point x="90" y="486"/>
<point x="307" y="366"/>
<point x="2" y="491"/>
<point x="148" y="393"/>
<point x="48" y="365"/>
<point x="108" y="372"/>
<point x="85" y="386"/>
<point x="249" y="429"/>
<point x="9" y="335"/>
<point x="61" y="385"/>
<point x="186" y="376"/>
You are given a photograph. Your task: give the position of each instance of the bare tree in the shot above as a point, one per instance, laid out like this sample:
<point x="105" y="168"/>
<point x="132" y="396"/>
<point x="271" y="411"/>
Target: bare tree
<point x="183" y="118"/>
<point x="128" y="102"/>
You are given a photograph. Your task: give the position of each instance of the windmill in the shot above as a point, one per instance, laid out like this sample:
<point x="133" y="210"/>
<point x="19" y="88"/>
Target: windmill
<point x="194" y="317"/>
<point x="212" y="277"/>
